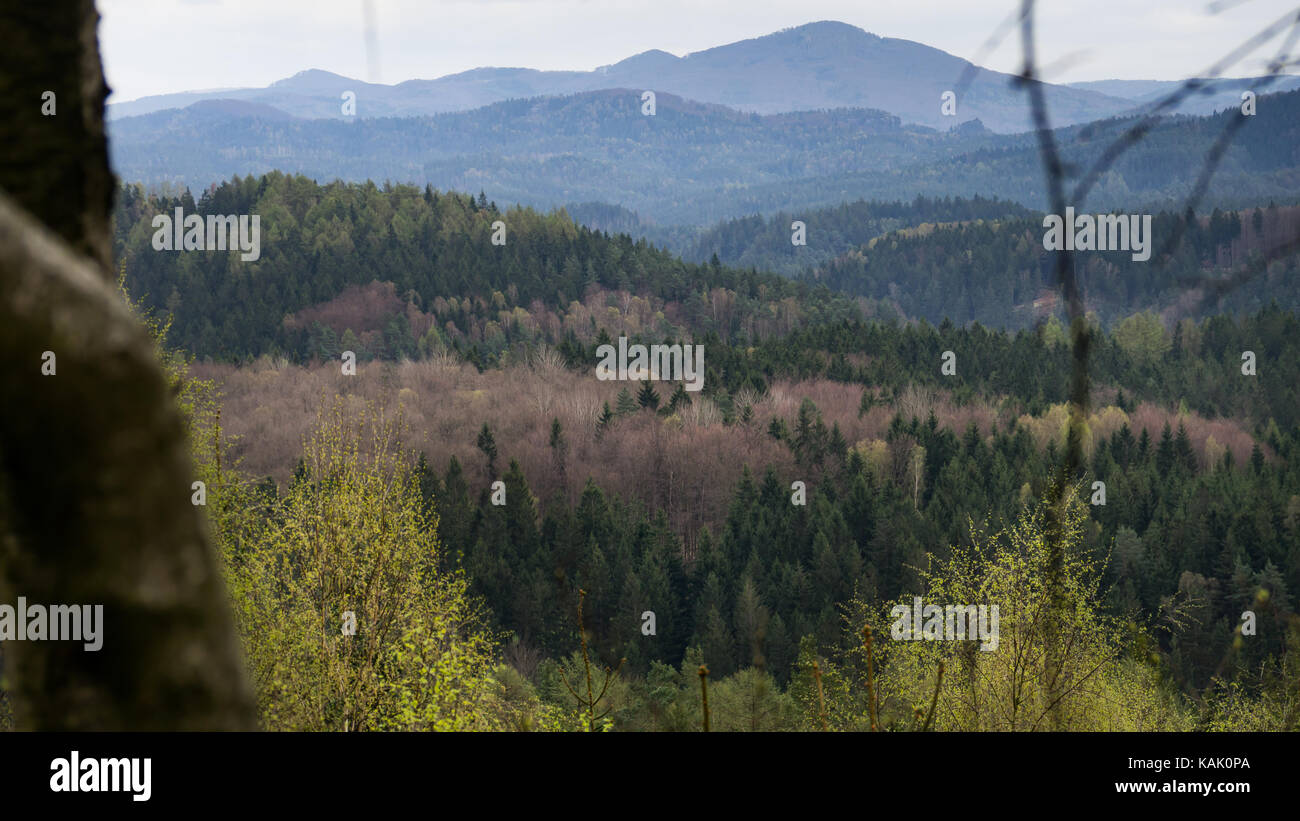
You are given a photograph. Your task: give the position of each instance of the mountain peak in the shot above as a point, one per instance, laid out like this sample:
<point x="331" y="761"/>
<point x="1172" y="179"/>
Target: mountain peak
<point x="312" y="78"/>
<point x="652" y="60"/>
<point x="825" y="32"/>
<point x="824" y="64"/>
<point x="830" y="27"/>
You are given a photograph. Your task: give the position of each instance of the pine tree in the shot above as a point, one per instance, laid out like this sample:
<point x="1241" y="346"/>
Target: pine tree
<point x="429" y="483"/>
<point x="1165" y="452"/>
<point x="778" y="430"/>
<point x="349" y="342"/>
<point x="455" y="512"/>
<point x="560" y="449"/>
<point x="680" y="398"/>
<point x="603" y="421"/>
<point x="487" y="444"/>
<point x="626" y="404"/>
<point x="751" y="625"/>
<point x="1184" y="455"/>
<point x="811" y="439"/>
<point x="647" y="397"/>
<point x="718" y="644"/>
<point x="866" y="403"/>
<point x="839" y="447"/>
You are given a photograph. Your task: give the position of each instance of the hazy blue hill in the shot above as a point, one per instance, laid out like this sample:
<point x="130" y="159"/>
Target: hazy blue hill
<point x="829" y="64"/>
<point x="1261" y="165"/>
<point x="818" y="65"/>
<point x="696" y="164"/>
<point x="310" y="94"/>
<point x="680" y="165"/>
<point x="162" y="102"/>
<point x="483" y="86"/>
<point x="1216" y="95"/>
<point x="1126" y="89"/>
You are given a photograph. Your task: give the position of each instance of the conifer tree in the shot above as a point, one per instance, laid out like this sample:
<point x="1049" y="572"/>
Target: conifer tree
<point x="487" y="444"/>
<point x="625" y="404"/>
<point x="680" y="398"/>
<point x="647" y="397"/>
<point x="559" y="449"/>
<point x="603" y="421"/>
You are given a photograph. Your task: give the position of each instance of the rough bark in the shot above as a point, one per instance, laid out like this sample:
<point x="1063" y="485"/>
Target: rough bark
<point x="95" y="469"/>
<point x="97" y="474"/>
<point x="56" y="167"/>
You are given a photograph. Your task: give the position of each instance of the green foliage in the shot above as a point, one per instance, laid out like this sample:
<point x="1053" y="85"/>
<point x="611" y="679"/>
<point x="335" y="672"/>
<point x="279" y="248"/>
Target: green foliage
<point x="996" y="273"/>
<point x="352" y="536"/>
<point x="1270" y="703"/>
<point x="761" y="601"/>
<point x="1143" y="337"/>
<point x="1048" y="609"/>
<point x="625" y="404"/>
<point x="750" y="701"/>
<point x="647" y="396"/>
<point x="764" y="242"/>
<point x="397" y="272"/>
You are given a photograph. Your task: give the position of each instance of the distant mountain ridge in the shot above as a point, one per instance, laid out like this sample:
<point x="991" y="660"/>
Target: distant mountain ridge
<point x="547" y="151"/>
<point x="695" y="163"/>
<point x="1215" y="95"/>
<point x="815" y="66"/>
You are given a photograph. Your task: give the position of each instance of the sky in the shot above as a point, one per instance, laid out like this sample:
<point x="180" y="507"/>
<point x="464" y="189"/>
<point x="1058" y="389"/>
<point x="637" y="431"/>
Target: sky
<point x="160" y="46"/>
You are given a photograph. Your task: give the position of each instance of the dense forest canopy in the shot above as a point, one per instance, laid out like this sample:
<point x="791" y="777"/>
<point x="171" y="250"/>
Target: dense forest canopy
<point x="404" y="271"/>
<point x="650" y="499"/>
<point x="998" y="273"/>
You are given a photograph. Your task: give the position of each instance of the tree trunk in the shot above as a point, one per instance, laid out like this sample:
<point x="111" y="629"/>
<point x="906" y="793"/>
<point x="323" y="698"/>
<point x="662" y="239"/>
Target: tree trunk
<point x="95" y="469"/>
<point x="56" y="166"/>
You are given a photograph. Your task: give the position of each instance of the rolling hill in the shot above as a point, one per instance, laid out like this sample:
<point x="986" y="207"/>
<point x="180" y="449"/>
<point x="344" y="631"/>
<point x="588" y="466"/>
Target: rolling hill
<point x="814" y="66"/>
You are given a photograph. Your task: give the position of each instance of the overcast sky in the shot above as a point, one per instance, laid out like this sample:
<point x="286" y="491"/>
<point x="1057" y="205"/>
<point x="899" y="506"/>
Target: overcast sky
<point x="159" y="46"/>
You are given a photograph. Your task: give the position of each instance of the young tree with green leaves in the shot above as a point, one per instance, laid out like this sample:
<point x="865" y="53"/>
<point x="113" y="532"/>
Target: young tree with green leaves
<point x="348" y="621"/>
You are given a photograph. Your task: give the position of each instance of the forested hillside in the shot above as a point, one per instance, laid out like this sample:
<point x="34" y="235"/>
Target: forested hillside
<point x="396" y="271"/>
<point x="545" y="151"/>
<point x="830" y="466"/>
<point x="997" y="273"/>
<point x="654" y="499"/>
<point x="766" y="243"/>
<point x="450" y="285"/>
<point x="1259" y="163"/>
<point x="696" y="164"/>
<point x="684" y="506"/>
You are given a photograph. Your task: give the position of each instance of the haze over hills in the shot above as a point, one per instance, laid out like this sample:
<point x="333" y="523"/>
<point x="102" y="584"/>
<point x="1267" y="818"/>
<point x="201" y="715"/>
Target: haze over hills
<point x="808" y="117"/>
<point x="814" y="66"/>
<point x="1215" y="95"/>
<point x="677" y="166"/>
<point x="696" y="164"/>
